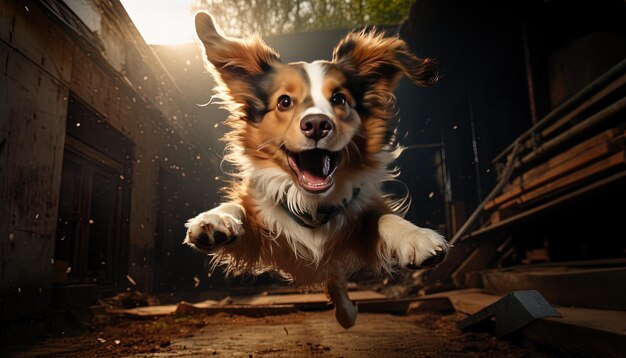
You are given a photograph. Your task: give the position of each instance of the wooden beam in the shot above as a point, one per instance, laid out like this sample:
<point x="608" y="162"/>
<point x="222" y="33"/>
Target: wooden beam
<point x="575" y="157"/>
<point x="615" y="160"/>
<point x="471" y="302"/>
<point x="615" y="178"/>
<point x="479" y="259"/>
<point x="185" y="308"/>
<point x="612" y="139"/>
<point x="302" y="300"/>
<point x="590" y="287"/>
<point x="441" y="304"/>
<point x="581" y="332"/>
<point x="397" y="306"/>
<point x="558" y="171"/>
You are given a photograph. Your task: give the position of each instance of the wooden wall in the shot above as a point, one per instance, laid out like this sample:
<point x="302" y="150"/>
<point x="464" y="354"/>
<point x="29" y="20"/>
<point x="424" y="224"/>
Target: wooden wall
<point x="33" y="104"/>
<point x="42" y="66"/>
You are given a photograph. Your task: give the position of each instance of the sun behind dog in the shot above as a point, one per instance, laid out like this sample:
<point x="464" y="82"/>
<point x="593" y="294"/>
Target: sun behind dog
<point x="311" y="144"/>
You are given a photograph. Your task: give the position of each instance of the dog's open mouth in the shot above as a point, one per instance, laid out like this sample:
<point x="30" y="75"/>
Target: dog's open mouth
<point x="314" y="168"/>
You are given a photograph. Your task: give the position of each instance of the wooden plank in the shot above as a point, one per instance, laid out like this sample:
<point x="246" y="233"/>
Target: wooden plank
<point x="566" y="162"/>
<point x="581" y="332"/>
<point x="472" y="302"/>
<point x="31" y="33"/>
<point x="430" y="305"/>
<point x="398" y="306"/>
<point x="610" y="182"/>
<point x="163" y="310"/>
<point x="479" y="259"/>
<point x="251" y="306"/>
<point x="541" y="176"/>
<point x="365" y="295"/>
<point x="206" y="307"/>
<point x="447" y="294"/>
<point x="603" y="320"/>
<point x="496" y="216"/>
<point x="148" y="311"/>
<point x="468" y="301"/>
<point x="32" y="131"/>
<point x="564" y="285"/>
<point x="303" y="299"/>
<point x="610" y="139"/>
<point x="185" y="308"/>
<point x="209" y="303"/>
<point x="596" y="168"/>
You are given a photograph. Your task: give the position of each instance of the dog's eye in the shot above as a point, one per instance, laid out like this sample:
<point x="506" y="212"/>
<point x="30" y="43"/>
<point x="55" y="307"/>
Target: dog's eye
<point x="284" y="103"/>
<point x="338" y="99"/>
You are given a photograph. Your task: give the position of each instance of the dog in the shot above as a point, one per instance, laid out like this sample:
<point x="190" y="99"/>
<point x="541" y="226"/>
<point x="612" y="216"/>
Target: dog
<point x="310" y="144"/>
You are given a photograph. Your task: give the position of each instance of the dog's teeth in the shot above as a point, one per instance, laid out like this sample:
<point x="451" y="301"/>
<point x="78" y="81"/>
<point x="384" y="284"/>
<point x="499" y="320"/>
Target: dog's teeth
<point x="326" y="168"/>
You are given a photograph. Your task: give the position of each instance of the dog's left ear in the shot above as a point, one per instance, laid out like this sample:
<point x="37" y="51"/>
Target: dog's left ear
<point x="381" y="61"/>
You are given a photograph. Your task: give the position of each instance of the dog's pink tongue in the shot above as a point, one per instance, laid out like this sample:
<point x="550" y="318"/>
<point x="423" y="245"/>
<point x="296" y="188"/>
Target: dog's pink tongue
<point x="315" y="166"/>
<point x="312" y="178"/>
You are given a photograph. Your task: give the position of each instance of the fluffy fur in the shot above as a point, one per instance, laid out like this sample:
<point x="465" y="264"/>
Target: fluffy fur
<point x="306" y="137"/>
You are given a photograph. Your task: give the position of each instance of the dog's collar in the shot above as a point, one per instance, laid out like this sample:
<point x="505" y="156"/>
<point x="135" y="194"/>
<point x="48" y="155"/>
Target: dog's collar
<point x="323" y="215"/>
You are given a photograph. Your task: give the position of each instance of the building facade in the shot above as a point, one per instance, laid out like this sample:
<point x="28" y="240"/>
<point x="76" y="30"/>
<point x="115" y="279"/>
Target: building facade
<point x="96" y="157"/>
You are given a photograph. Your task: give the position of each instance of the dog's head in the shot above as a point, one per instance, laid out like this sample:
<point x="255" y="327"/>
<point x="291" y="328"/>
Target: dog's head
<point x="316" y="122"/>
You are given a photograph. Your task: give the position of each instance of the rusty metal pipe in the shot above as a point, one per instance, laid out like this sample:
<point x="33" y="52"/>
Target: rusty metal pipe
<point x="545" y="148"/>
<point x="588" y="90"/>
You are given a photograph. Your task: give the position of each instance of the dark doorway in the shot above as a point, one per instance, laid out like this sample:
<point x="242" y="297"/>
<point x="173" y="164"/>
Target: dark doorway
<point x="92" y="228"/>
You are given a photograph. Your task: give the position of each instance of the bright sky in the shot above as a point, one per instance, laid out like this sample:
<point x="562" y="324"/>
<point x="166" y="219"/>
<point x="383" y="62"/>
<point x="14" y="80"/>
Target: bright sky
<point x="162" y="22"/>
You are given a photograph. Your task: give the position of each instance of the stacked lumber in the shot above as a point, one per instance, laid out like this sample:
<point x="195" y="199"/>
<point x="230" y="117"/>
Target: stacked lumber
<point x="596" y="155"/>
<point x="582" y="147"/>
<point x="575" y="151"/>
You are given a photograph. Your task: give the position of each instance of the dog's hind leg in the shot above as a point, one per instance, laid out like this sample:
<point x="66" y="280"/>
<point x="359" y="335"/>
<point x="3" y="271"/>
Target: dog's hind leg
<point x="219" y="226"/>
<point x="345" y="310"/>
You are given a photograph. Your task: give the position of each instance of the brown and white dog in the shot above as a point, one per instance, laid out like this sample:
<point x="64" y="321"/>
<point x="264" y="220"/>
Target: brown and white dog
<point x="311" y="144"/>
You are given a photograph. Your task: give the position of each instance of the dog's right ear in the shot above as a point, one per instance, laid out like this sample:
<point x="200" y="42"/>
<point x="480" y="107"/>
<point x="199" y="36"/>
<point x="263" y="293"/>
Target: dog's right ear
<point x="238" y="65"/>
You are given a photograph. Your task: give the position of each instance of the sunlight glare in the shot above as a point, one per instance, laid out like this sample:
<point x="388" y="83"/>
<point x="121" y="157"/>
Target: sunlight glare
<point x="162" y="22"/>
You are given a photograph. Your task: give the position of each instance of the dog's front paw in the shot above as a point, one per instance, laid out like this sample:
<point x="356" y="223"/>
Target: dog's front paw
<point x="211" y="229"/>
<point x="421" y="248"/>
<point x="411" y="246"/>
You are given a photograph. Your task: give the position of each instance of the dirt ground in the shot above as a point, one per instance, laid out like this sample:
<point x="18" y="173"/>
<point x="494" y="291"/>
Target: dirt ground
<point x="294" y="335"/>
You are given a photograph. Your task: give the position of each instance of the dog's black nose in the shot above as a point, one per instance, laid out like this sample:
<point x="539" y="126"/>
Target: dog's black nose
<point x="316" y="126"/>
